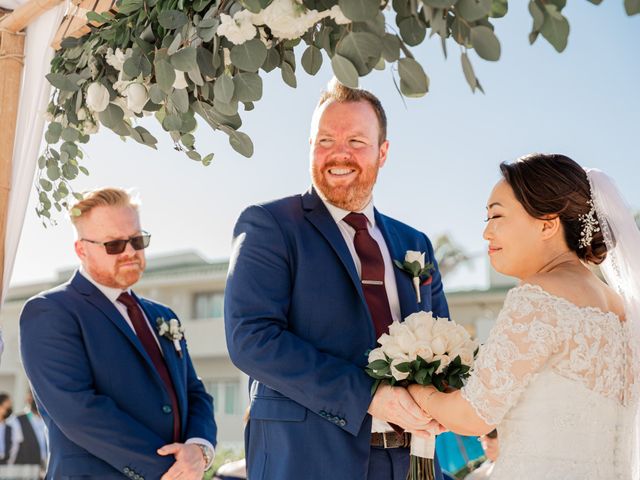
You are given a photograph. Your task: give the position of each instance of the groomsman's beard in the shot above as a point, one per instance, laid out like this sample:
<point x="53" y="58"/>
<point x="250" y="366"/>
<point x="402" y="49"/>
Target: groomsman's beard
<point x="352" y="197"/>
<point x="126" y="272"/>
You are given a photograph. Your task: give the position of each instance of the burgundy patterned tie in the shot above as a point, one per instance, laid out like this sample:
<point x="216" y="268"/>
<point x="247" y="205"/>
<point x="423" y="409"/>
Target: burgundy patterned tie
<point x="148" y="341"/>
<point x="372" y="273"/>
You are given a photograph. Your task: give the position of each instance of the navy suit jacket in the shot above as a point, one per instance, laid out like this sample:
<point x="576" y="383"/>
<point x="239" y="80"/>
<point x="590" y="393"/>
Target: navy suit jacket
<point x="104" y="404"/>
<point x="298" y="324"/>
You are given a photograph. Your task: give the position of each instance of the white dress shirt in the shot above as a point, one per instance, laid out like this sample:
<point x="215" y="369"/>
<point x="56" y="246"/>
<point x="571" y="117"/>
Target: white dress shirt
<point x="349" y="233"/>
<point x="112" y="295"/>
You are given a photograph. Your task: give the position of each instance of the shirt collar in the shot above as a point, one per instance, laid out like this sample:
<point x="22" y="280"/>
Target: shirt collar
<point x="338" y="213"/>
<point x="109" y="292"/>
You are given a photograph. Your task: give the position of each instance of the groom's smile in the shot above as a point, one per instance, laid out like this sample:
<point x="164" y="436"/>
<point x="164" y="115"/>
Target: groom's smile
<point x="346" y="153"/>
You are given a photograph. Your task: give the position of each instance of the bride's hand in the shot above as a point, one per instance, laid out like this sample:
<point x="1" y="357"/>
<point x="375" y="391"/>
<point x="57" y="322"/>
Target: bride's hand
<point x="421" y="393"/>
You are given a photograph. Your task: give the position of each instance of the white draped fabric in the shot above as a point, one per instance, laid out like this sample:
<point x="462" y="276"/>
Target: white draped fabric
<point x="34" y="96"/>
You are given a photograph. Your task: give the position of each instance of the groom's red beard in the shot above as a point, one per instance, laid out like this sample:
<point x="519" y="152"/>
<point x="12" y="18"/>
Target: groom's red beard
<point x="352" y="196"/>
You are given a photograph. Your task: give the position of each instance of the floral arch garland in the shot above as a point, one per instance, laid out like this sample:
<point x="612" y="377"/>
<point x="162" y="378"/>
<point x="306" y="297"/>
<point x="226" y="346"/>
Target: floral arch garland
<point x="184" y="60"/>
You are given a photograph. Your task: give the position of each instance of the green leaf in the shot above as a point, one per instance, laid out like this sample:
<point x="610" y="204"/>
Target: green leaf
<point x="70" y="134"/>
<point x="440" y="3"/>
<point x="193" y="155"/>
<point x="413" y="81"/>
<point x="185" y="59"/>
<point x="172" y="19"/>
<point x="206" y="161"/>
<point x="138" y="63"/>
<point x="223" y="88"/>
<point x="62" y="82"/>
<point x="147" y="138"/>
<point x="165" y="75"/>
<point x="288" y="75"/>
<point x="538" y="16"/>
<point x="499" y="8"/>
<point x="472" y="10"/>
<point x="248" y="87"/>
<point x="632" y="7"/>
<point x="53" y="173"/>
<point x="46" y="185"/>
<point x="52" y="135"/>
<point x="360" y="10"/>
<point x="156" y="94"/>
<point x="180" y="99"/>
<point x="272" y="61"/>
<point x="226" y="108"/>
<point x="205" y="62"/>
<point x="188" y="140"/>
<point x="469" y="74"/>
<point x="240" y="142"/>
<point x="172" y="123"/>
<point x="390" y="47"/>
<point x="412" y="31"/>
<point x="111" y="116"/>
<point x="556" y="31"/>
<point x="344" y="71"/>
<point x="485" y="43"/>
<point x="362" y="49"/>
<point x="249" y="56"/>
<point x="312" y="60"/>
<point x="94" y="17"/>
<point x="70" y="148"/>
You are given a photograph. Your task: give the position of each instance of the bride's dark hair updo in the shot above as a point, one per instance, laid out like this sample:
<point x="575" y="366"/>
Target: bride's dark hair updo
<point x="552" y="184"/>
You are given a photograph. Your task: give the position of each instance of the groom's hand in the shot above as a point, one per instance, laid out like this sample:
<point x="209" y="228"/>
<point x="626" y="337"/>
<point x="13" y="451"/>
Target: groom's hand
<point x="189" y="461"/>
<point x="396" y="405"/>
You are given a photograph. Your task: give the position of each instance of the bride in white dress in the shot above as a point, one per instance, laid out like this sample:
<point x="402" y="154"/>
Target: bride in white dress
<point x="556" y="376"/>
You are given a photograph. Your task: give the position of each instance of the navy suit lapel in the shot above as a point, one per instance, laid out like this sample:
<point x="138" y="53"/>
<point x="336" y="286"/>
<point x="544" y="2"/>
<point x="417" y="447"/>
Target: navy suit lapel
<point x="406" y="293"/>
<point x="319" y="216"/>
<point x="102" y="303"/>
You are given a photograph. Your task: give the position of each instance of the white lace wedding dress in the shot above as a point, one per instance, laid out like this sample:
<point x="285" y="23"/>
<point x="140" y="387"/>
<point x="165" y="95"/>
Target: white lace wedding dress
<point x="555" y="379"/>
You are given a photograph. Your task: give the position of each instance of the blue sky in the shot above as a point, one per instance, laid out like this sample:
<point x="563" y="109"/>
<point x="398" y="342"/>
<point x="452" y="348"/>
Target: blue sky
<point x="445" y="147"/>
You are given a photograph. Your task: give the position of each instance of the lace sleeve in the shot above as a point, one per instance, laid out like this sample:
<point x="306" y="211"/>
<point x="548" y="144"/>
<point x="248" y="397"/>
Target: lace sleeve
<point x="524" y="337"/>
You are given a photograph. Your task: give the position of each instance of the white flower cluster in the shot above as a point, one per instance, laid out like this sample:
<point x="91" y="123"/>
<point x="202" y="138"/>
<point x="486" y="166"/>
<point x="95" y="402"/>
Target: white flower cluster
<point x="173" y="328"/>
<point x="286" y="19"/>
<point x="422" y="335"/>
<point x="133" y="94"/>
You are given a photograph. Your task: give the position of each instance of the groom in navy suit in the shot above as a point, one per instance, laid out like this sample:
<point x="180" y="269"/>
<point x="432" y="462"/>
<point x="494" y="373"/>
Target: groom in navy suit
<point x="120" y="398"/>
<point x="311" y="287"/>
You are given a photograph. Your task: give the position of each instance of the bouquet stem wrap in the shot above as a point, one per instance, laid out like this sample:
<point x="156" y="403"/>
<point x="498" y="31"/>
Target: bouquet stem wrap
<point x="422" y="465"/>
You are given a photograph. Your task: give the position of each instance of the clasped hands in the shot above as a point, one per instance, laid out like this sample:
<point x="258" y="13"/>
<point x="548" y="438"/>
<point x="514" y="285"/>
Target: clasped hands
<point x="400" y="406"/>
<point x="189" y="463"/>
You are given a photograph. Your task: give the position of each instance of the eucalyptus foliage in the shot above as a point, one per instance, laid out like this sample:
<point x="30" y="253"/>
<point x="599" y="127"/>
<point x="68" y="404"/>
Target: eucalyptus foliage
<point x="186" y="61"/>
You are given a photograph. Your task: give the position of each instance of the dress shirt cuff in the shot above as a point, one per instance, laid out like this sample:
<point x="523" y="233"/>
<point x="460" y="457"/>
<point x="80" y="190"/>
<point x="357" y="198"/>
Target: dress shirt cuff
<point x="207" y="444"/>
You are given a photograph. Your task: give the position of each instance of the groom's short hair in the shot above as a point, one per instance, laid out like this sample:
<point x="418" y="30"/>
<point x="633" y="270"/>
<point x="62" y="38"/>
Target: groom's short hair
<point x="101" y="197"/>
<point x="337" y="92"/>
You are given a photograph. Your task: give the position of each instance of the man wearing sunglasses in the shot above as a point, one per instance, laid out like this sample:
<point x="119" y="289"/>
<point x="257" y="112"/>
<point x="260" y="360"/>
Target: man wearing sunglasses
<point x="120" y="398"/>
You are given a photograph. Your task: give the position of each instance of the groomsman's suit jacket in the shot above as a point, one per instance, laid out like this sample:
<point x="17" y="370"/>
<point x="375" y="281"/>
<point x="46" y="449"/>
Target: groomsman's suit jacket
<point x="106" y="408"/>
<point x="297" y="322"/>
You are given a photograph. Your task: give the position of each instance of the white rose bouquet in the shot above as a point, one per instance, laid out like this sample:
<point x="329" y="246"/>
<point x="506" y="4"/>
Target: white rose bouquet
<point x="427" y="351"/>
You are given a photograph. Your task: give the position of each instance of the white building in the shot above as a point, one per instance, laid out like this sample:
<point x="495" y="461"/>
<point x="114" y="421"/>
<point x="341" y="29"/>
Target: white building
<point x="193" y="287"/>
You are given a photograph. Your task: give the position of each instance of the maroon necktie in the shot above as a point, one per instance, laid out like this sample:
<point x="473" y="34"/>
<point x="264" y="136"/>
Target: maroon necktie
<point x="148" y="341"/>
<point x="372" y="273"/>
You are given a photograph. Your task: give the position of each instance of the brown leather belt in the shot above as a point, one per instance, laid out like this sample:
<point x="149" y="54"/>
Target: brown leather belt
<point x="390" y="440"/>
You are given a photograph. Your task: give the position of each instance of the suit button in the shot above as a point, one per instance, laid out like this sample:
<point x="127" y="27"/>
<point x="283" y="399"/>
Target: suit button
<point x="126" y="470"/>
<point x="342" y="422"/>
<point x="167" y="409"/>
<point x="322" y="413"/>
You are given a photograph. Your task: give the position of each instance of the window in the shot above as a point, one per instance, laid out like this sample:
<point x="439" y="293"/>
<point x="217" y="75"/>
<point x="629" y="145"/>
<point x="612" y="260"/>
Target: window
<point x="226" y="396"/>
<point x="208" y="305"/>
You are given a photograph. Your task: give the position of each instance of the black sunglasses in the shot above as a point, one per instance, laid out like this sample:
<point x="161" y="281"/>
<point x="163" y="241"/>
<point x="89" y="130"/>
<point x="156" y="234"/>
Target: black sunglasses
<point x="115" y="247"/>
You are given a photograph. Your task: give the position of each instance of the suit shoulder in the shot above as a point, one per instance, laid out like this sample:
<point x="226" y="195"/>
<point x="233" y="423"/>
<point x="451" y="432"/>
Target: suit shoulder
<point x="57" y="295"/>
<point x="281" y="206"/>
<point x="403" y="228"/>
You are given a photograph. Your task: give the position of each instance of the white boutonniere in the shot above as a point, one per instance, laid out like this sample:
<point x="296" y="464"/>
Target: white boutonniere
<point x="420" y="273"/>
<point x="171" y="330"/>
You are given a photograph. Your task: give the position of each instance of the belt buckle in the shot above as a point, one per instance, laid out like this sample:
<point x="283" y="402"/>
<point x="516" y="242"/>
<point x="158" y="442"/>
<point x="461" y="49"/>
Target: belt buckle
<point x="384" y="439"/>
